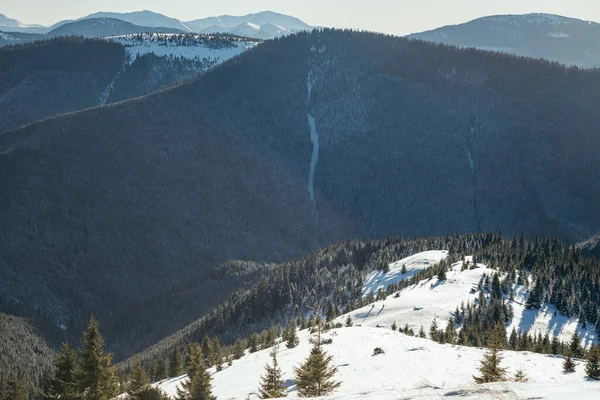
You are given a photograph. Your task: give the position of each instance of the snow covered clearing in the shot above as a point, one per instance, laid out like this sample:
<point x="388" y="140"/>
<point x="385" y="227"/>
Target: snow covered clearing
<point x="186" y="46"/>
<point x="378" y="280"/>
<point x="420" y="304"/>
<point x="409" y="368"/>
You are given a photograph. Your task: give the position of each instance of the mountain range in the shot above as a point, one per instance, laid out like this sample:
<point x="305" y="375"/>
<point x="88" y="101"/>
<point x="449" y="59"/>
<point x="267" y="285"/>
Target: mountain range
<point x="295" y="144"/>
<point x="263" y="25"/>
<point x="565" y="40"/>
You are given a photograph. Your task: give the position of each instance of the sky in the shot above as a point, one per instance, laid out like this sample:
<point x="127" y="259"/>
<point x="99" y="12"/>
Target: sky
<point x="390" y="16"/>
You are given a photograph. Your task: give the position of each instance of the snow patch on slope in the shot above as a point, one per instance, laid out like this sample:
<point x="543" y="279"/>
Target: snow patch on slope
<point x="378" y="280"/>
<point x="184" y="46"/>
<point x="420" y="304"/>
<point x="409" y="368"/>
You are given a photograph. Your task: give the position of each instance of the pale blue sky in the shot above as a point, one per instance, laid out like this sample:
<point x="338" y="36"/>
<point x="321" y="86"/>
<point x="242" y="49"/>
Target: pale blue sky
<point x="392" y="16"/>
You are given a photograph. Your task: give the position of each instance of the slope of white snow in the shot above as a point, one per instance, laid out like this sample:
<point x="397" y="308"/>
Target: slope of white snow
<point x="409" y="368"/>
<point x="378" y="280"/>
<point x="190" y="46"/>
<point x="419" y="304"/>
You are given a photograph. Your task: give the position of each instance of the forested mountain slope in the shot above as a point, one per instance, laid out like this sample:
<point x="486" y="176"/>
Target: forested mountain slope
<point x="295" y="144"/>
<point x="56" y="76"/>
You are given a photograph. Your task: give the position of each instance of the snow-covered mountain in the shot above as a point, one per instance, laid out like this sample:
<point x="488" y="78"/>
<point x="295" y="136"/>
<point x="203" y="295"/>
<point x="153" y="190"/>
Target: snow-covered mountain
<point x="412" y="367"/>
<point x="263" y="25"/>
<point x="566" y="40"/>
<point x="141" y="18"/>
<point x="104" y="26"/>
<point x="188" y="46"/>
<point x="420" y="304"/>
<point x="409" y="368"/>
<point x="12" y="25"/>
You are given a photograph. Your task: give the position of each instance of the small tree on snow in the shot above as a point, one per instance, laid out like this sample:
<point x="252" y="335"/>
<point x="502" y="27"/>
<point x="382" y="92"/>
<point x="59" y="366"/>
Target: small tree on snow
<point x="315" y="377"/>
<point x="349" y="321"/>
<point x="272" y="382"/>
<point x="569" y="364"/>
<point x="490" y="368"/>
<point x="592" y="369"/>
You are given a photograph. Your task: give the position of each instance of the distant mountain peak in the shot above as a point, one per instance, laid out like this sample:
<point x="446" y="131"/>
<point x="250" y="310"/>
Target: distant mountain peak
<point x="557" y="38"/>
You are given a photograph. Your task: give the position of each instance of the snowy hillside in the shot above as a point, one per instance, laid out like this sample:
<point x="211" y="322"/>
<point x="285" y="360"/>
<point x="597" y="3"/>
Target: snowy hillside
<point x="420" y="304"/>
<point x="187" y="46"/>
<point x="409" y="368"/>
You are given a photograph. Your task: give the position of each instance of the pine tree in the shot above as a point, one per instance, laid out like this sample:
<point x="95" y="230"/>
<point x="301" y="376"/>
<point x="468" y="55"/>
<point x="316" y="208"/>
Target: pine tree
<point x="422" y="333"/>
<point x="139" y="379"/>
<point x="394" y="326"/>
<point x="239" y="349"/>
<point x="490" y="368"/>
<point x="315" y="377"/>
<point x="433" y="330"/>
<point x="292" y="339"/>
<point x="198" y="386"/>
<point x="253" y="343"/>
<point x="161" y="369"/>
<point x="207" y="350"/>
<point x="520" y="376"/>
<point x="175" y="363"/>
<point x="62" y="382"/>
<point x="217" y="354"/>
<point x="349" y="321"/>
<point x="450" y="333"/>
<point x="569" y="364"/>
<point x="150" y="393"/>
<point x="95" y="375"/>
<point x="442" y="272"/>
<point x="575" y="345"/>
<point x="272" y="382"/>
<point x="555" y="345"/>
<point x="592" y="369"/>
<point x="14" y="388"/>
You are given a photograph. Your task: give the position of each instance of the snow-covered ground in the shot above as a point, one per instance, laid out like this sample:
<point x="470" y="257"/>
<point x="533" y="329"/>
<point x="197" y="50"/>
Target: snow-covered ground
<point x="190" y="46"/>
<point x="412" y="367"/>
<point x="377" y="280"/>
<point x="409" y="368"/>
<point x="419" y="304"/>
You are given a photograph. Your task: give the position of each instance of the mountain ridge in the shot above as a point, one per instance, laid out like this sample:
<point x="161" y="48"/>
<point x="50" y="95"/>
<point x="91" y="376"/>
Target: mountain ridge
<point x="570" y="41"/>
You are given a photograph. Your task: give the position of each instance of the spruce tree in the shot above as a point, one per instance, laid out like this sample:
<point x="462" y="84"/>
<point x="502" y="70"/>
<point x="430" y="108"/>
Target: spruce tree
<point x="569" y="364"/>
<point x="198" y="386"/>
<point x="150" y="393"/>
<point x="575" y="345"/>
<point x="272" y="382"/>
<point x="175" y="363"/>
<point x="95" y="375"/>
<point x="422" y="333"/>
<point x="239" y="349"/>
<point x="253" y="343"/>
<point x="394" y="326"/>
<point x="14" y="388"/>
<point x="315" y="377"/>
<point x="433" y="330"/>
<point x="62" y="382"/>
<point x="349" y="321"/>
<point x="592" y="369"/>
<point x="161" y="370"/>
<point x="138" y="380"/>
<point x="490" y="368"/>
<point x="291" y="339"/>
<point x="207" y="348"/>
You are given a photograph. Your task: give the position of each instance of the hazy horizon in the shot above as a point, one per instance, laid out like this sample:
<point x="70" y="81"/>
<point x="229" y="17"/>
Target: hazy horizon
<point x="390" y="16"/>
